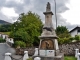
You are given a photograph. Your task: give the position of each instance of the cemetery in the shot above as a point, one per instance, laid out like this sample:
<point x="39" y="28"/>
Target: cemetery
<point x="48" y="48"/>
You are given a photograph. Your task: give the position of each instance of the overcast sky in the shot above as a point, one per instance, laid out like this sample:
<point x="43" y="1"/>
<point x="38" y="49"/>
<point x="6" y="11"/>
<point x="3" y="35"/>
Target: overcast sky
<point x="68" y="11"/>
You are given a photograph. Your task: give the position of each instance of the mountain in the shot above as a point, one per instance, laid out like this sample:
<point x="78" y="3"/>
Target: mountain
<point x="4" y="22"/>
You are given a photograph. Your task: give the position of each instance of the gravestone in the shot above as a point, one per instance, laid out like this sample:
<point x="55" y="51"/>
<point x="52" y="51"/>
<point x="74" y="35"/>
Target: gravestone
<point x="48" y="48"/>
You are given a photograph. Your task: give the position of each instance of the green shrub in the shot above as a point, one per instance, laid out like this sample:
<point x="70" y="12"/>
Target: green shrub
<point x="77" y="37"/>
<point x="71" y="38"/>
<point x="64" y="40"/>
<point x="2" y="40"/>
<point x="20" y="43"/>
<point x="60" y="41"/>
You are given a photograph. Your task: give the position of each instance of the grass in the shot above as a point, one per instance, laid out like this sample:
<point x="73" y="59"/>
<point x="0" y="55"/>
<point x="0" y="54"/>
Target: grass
<point x="65" y="58"/>
<point x="29" y="59"/>
<point x="69" y="58"/>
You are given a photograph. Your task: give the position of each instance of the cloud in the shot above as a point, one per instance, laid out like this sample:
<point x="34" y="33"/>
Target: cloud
<point x="16" y="7"/>
<point x="9" y="12"/>
<point x="73" y="14"/>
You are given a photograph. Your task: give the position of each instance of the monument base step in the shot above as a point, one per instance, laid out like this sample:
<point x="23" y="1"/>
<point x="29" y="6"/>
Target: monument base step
<point x="58" y="57"/>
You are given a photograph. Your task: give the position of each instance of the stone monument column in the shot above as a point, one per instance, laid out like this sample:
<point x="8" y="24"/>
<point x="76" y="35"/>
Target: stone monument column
<point x="48" y="40"/>
<point x="48" y="16"/>
<point x="48" y="36"/>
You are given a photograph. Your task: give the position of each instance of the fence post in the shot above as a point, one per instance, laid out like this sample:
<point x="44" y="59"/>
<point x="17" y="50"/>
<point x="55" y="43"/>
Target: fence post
<point x="76" y="52"/>
<point x="7" y="56"/>
<point x="25" y="57"/>
<point x="37" y="58"/>
<point x="78" y="56"/>
<point x="36" y="52"/>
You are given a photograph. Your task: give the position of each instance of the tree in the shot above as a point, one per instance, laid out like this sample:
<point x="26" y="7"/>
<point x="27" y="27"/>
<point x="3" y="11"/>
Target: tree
<point x="63" y="34"/>
<point x="5" y="28"/>
<point x="27" y="28"/>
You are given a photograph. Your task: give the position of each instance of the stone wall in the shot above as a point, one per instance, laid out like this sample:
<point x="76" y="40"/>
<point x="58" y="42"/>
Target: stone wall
<point x="20" y="51"/>
<point x="69" y="49"/>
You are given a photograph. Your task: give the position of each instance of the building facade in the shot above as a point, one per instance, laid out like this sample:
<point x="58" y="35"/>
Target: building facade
<point x="75" y="31"/>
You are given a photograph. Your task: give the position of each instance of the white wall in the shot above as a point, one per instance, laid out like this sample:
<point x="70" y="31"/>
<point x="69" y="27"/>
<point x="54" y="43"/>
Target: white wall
<point x="78" y="33"/>
<point x="73" y="33"/>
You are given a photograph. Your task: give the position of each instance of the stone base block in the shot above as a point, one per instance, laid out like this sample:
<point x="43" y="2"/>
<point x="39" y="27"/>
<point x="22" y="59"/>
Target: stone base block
<point x="58" y="57"/>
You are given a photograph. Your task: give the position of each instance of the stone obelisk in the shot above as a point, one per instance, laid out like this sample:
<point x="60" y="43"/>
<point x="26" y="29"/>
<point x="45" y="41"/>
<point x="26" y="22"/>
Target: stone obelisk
<point x="48" y="36"/>
<point x="48" y="40"/>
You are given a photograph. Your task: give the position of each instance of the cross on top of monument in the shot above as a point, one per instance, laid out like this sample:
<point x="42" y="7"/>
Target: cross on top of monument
<point x="48" y="8"/>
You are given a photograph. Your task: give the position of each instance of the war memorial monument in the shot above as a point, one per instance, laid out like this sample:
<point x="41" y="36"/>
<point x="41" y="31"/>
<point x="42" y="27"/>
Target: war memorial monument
<point x="48" y="48"/>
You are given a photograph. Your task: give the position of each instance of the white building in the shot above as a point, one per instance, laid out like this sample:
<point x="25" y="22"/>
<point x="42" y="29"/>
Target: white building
<point x="75" y="31"/>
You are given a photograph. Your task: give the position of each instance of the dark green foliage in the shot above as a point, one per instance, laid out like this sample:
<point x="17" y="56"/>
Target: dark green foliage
<point x="71" y="38"/>
<point x="27" y="28"/>
<point x="5" y="28"/>
<point x="20" y="43"/>
<point x="2" y="40"/>
<point x="77" y="37"/>
<point x="61" y="29"/>
<point x="63" y="34"/>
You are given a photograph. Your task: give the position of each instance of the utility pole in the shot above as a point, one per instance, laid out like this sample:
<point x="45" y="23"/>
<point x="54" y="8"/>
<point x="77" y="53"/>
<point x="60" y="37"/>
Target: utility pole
<point x="55" y="13"/>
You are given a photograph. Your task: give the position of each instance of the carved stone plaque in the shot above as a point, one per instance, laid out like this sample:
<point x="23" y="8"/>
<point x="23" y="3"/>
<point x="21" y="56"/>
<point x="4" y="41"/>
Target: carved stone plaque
<point x="47" y="45"/>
